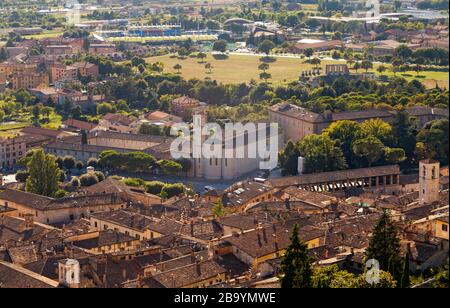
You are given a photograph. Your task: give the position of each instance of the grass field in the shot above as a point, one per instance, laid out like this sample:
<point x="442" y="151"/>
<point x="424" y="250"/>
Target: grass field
<point x="45" y="34"/>
<point x="11" y="129"/>
<point x="244" y="68"/>
<point x="428" y="78"/>
<point x="8" y="130"/>
<point x="237" y="68"/>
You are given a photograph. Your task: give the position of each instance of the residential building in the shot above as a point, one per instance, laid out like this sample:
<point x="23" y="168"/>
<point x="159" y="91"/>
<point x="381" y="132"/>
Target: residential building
<point x="58" y="211"/>
<point x="183" y="106"/>
<point x="13" y="149"/>
<point x="119" y="123"/>
<point x="29" y="80"/>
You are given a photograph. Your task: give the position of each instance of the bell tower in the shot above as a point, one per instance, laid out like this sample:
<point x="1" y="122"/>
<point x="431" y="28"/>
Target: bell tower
<point x="428" y="181"/>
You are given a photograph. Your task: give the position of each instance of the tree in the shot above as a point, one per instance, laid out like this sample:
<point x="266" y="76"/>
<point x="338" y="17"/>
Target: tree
<point x="404" y="133"/>
<point x="201" y="56"/>
<point x="172" y="190"/>
<point x="265" y="76"/>
<point x="435" y="136"/>
<point x="321" y="154"/>
<point x="387" y="281"/>
<point x="394" y="155"/>
<point x="104" y="108"/>
<point x="288" y="159"/>
<point x="154" y="187"/>
<point x="43" y="173"/>
<point x="93" y="162"/>
<point x="209" y="67"/>
<point x="356" y="66"/>
<point x="75" y="182"/>
<point x="316" y="62"/>
<point x="345" y="132"/>
<point x="86" y="44"/>
<point x="177" y="67"/>
<point x="379" y="129"/>
<point x="366" y="64"/>
<point x="79" y="165"/>
<point x="384" y="246"/>
<point x="442" y="280"/>
<point x="89" y="179"/>
<point x="220" y="46"/>
<point x="381" y="69"/>
<point x="308" y="52"/>
<point x="21" y="176"/>
<point x="69" y="162"/>
<point x="263" y="67"/>
<point x="136" y="61"/>
<point x="3" y="55"/>
<point x="219" y="209"/>
<point x="266" y="47"/>
<point x="405" y="279"/>
<point x="169" y="167"/>
<point x="296" y="264"/>
<point x="396" y="63"/>
<point x="369" y="148"/>
<point x="403" y="51"/>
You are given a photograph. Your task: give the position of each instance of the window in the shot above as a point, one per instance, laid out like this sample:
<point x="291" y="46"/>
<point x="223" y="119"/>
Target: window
<point x="444" y="228"/>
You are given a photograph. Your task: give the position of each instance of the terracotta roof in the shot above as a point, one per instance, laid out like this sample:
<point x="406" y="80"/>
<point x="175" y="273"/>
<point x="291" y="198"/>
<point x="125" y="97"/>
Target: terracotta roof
<point x="275" y="238"/>
<point x="42" y="203"/>
<point x="41" y="131"/>
<point x="191" y="274"/>
<point x="104" y="238"/>
<point x="334" y="176"/>
<point x="80" y="124"/>
<point x="13" y="276"/>
<point x="157" y="115"/>
<point x="119" y="118"/>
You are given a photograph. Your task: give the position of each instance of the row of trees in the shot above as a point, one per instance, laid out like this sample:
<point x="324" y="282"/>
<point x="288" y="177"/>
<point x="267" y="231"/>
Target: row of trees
<point x="164" y="190"/>
<point x="140" y="162"/>
<point x="347" y="144"/>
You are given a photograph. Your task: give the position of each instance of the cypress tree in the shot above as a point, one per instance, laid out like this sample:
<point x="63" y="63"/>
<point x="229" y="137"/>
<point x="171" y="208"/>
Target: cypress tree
<point x="405" y="282"/>
<point x="384" y="246"/>
<point x="296" y="264"/>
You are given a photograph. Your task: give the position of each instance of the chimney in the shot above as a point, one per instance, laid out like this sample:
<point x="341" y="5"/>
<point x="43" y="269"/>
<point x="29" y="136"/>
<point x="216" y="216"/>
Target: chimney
<point x="198" y="267"/>
<point x="124" y="274"/>
<point x="275" y="240"/>
<point x="192" y="228"/>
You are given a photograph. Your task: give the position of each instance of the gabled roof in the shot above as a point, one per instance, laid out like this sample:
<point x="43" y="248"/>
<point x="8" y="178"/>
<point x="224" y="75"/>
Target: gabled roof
<point x="13" y="276"/>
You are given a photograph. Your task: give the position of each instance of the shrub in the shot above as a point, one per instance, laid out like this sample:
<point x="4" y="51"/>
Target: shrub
<point x="88" y="180"/>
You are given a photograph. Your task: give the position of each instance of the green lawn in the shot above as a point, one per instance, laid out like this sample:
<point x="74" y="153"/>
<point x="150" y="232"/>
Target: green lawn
<point x="11" y="130"/>
<point x="45" y="34"/>
<point x="428" y="78"/>
<point x="237" y="68"/>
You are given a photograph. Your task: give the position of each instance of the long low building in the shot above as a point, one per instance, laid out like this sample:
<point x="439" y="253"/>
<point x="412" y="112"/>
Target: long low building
<point x="297" y="122"/>
<point x="57" y="211"/>
<point x="100" y="141"/>
<point x="382" y="178"/>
